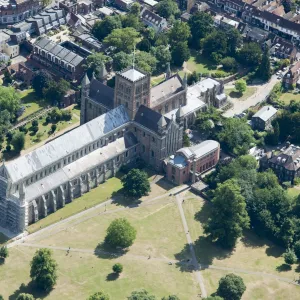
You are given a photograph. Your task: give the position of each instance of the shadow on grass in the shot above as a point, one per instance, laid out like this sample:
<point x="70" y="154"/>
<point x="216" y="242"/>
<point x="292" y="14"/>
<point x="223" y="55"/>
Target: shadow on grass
<point x="120" y="199"/>
<point x="104" y="251"/>
<point x="30" y="288"/>
<point x="235" y="94"/>
<point x="202" y="59"/>
<point x="283" y="268"/>
<point x="165" y="184"/>
<point x="112" y="277"/>
<point x="12" y="154"/>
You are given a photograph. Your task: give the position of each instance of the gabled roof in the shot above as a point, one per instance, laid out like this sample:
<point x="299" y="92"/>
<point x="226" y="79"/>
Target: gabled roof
<point x="66" y="144"/>
<point x="102" y="93"/>
<point x="151" y="17"/>
<point x="149" y="118"/>
<point x="265" y="113"/>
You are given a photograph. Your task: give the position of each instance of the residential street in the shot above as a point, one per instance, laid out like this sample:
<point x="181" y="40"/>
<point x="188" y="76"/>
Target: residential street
<point x="261" y="94"/>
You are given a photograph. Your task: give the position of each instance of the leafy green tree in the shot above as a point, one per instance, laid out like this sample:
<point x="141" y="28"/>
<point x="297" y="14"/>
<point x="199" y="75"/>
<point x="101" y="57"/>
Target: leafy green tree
<point x="135" y="9"/>
<point x="121" y="61"/>
<point x="193" y="78"/>
<point x="250" y="54"/>
<point x="240" y="86"/>
<point x="24" y="296"/>
<point x="167" y="8"/>
<point x="99" y="296"/>
<point x="117" y="268"/>
<point x="146" y="61"/>
<point x="141" y="295"/>
<point x="229" y="216"/>
<point x="103" y="28"/>
<point x="3" y="252"/>
<point x="136" y="183"/>
<point x="144" y="45"/>
<point x="163" y="57"/>
<point x="41" y="80"/>
<point x="43" y="270"/>
<point x="1" y="297"/>
<point x="18" y="141"/>
<point x="179" y="33"/>
<point x="229" y="64"/>
<point x="124" y="39"/>
<point x="297" y="249"/>
<point x="9" y="100"/>
<point x="53" y="127"/>
<point x="120" y="233"/>
<point x="264" y="71"/>
<point x="56" y="90"/>
<point x="231" y="287"/>
<point x="234" y="41"/>
<point x="180" y="53"/>
<point x="201" y="24"/>
<point x="95" y="62"/>
<point x="186" y="140"/>
<point x="46" y="2"/>
<point x="237" y="136"/>
<point x="215" y="42"/>
<point x="214" y="298"/>
<point x="162" y="39"/>
<point x="290" y="257"/>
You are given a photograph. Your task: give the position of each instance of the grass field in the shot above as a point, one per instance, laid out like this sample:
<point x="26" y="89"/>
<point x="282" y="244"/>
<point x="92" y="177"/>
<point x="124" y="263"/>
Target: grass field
<point x="31" y="102"/>
<point x="201" y="64"/>
<point x="94" y="197"/>
<point x="160" y="236"/>
<point x="233" y="94"/>
<point x="287" y="97"/>
<point x="293" y="192"/>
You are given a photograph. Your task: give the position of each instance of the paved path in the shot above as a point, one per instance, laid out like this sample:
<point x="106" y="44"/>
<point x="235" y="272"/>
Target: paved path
<point x="190" y="242"/>
<point x="259" y="96"/>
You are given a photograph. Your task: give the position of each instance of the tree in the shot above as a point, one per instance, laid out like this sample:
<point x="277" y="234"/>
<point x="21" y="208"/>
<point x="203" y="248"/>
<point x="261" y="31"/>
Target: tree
<point x="136" y="183"/>
<point x="214" y="298"/>
<point x="297" y="249"/>
<point x="53" y="127"/>
<point x="18" y="141"/>
<point x="180" y="53"/>
<point x="290" y="257"/>
<point x="237" y="136"/>
<point x="141" y="295"/>
<point x="215" y="45"/>
<point x="43" y="269"/>
<point x="120" y="233"/>
<point x="124" y="39"/>
<point x="201" y="24"/>
<point x="55" y="91"/>
<point x="240" y="86"/>
<point x="229" y="64"/>
<point x="186" y="140"/>
<point x="229" y="216"/>
<point x="162" y="55"/>
<point x="99" y="296"/>
<point x="193" y="78"/>
<point x="103" y="28"/>
<point x="3" y="252"/>
<point x="95" y="62"/>
<point x="9" y="100"/>
<point x="264" y="69"/>
<point x="180" y="32"/>
<point x="24" y="296"/>
<point x="231" y="287"/>
<point x="234" y="41"/>
<point x="146" y="61"/>
<point x="167" y="8"/>
<point x="171" y="297"/>
<point x="46" y="2"/>
<point x="250" y="54"/>
<point x="117" y="268"/>
<point x="41" y="80"/>
<point x="121" y="61"/>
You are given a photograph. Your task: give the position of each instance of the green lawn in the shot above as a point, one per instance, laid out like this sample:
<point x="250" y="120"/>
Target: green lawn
<point x="31" y="102"/>
<point x="155" y="80"/>
<point x="293" y="192"/>
<point x="235" y="95"/>
<point x="95" y="196"/>
<point x="201" y="64"/>
<point x="287" y="97"/>
<point x="160" y="235"/>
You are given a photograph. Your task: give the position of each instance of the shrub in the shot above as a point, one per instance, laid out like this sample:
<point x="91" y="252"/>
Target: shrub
<point x="53" y="127"/>
<point x="297" y="249"/>
<point x="8" y="148"/>
<point x="66" y="114"/>
<point x="9" y="136"/>
<point x="48" y="119"/>
<point x="117" y="268"/>
<point x="35" y="123"/>
<point x="290" y="257"/>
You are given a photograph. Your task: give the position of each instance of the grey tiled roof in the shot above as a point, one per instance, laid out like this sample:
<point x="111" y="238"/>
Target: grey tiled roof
<point x="102" y="93"/>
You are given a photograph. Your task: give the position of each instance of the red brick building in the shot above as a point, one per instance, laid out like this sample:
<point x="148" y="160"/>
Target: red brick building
<point x="201" y="157"/>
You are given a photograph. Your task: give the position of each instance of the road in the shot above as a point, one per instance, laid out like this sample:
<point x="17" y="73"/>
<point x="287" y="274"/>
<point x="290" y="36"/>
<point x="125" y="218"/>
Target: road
<point x="260" y="95"/>
<point x="190" y="242"/>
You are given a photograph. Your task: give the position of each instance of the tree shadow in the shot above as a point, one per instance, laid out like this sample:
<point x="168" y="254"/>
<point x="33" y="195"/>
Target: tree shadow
<point x="30" y="288"/>
<point x="119" y="198"/>
<point x="2" y="261"/>
<point x="297" y="269"/>
<point x="283" y="268"/>
<point x="112" y="277"/>
<point x="205" y="61"/>
<point x="104" y="251"/>
<point x="235" y="94"/>
<point x="252" y="240"/>
<point x="274" y="251"/>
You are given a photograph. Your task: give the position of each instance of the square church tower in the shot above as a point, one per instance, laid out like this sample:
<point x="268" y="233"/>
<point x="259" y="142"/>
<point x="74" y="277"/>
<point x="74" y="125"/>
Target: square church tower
<point x="132" y="89"/>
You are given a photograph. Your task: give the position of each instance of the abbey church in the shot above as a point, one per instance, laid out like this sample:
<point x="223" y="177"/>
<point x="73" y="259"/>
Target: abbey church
<point x="117" y="126"/>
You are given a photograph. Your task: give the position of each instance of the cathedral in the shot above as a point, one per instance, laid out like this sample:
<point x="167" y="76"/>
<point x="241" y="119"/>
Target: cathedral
<point x="117" y="127"/>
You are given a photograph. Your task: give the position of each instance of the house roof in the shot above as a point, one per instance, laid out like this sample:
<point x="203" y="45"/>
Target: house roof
<point x="151" y="17"/>
<point x="289" y="158"/>
<point x="265" y="113"/>
<point x="66" y="144"/>
<point x="132" y="74"/>
<point x="102" y="93"/>
<point x="150" y="118"/>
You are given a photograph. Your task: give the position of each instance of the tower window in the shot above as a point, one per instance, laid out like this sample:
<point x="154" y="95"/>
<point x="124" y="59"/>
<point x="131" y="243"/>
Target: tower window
<point x="126" y="104"/>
